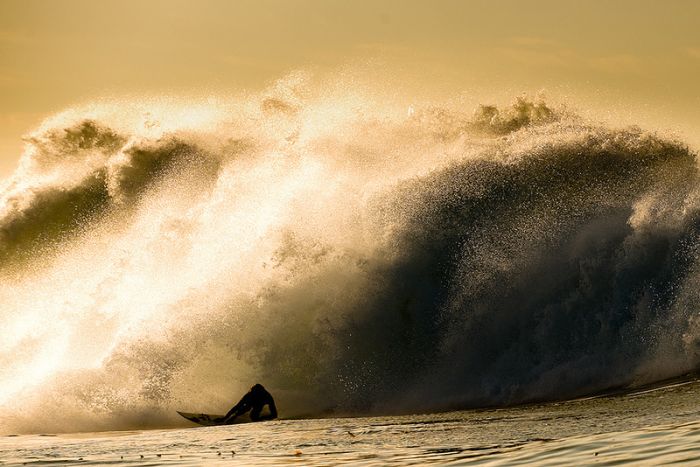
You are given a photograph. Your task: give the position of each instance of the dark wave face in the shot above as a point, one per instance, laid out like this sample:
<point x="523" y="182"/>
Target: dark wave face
<point x="351" y="257"/>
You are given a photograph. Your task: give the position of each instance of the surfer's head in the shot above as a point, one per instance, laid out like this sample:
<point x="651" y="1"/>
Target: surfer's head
<point x="257" y="388"/>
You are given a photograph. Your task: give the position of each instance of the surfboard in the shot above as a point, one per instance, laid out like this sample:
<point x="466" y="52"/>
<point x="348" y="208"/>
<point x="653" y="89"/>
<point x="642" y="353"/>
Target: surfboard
<point x="207" y="419"/>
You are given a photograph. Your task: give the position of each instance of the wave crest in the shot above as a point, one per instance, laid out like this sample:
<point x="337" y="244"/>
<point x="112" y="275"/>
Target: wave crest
<point x="352" y="261"/>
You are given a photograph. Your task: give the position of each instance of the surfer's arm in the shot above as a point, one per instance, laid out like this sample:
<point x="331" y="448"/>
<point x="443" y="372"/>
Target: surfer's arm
<point x="242" y="407"/>
<point x="233" y="411"/>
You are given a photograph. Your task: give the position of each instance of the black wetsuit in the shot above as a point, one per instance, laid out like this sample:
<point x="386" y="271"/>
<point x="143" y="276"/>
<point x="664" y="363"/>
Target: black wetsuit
<point x="254" y="400"/>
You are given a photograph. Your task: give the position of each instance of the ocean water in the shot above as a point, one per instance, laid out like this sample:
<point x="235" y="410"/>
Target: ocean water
<point x="359" y="254"/>
<point x="656" y="426"/>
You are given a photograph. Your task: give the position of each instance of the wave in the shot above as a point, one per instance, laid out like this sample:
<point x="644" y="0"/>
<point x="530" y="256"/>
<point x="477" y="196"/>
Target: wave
<point x="352" y="257"/>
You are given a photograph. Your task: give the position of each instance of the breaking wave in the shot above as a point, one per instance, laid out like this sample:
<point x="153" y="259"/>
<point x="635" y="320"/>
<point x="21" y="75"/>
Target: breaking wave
<point x="351" y="256"/>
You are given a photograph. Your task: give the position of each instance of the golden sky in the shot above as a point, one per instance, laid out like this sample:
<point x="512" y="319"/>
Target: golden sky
<point x="638" y="58"/>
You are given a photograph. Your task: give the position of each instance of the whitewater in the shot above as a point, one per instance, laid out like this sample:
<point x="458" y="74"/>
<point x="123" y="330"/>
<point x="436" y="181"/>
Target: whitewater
<point x="358" y="254"/>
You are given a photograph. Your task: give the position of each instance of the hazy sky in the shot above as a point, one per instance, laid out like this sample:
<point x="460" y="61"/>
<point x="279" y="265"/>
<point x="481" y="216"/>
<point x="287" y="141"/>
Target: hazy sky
<point x="638" y="56"/>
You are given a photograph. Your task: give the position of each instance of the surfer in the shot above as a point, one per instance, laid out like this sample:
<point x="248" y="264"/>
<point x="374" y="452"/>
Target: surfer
<point x="254" y="400"/>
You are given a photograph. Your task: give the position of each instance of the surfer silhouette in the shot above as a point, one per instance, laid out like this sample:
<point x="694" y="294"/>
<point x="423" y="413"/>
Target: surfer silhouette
<point x="253" y="401"/>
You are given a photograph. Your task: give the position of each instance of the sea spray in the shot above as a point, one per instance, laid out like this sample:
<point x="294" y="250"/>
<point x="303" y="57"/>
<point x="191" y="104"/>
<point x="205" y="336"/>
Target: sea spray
<point x="353" y="257"/>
